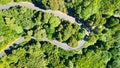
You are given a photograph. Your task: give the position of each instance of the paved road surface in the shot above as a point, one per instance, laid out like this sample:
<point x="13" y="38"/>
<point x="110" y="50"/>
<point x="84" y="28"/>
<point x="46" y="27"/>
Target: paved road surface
<point x="56" y="13"/>
<point x="64" y="45"/>
<point x="31" y="6"/>
<point x="18" y="41"/>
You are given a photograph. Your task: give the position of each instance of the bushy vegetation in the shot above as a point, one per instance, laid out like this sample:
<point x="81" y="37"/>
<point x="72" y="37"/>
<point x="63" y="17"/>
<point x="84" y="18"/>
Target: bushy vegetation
<point x="43" y="54"/>
<point x="5" y="1"/>
<point x="7" y="33"/>
<point x="82" y="9"/>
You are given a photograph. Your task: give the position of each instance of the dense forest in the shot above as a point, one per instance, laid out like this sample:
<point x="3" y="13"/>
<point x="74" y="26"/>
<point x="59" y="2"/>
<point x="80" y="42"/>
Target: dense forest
<point x="31" y="23"/>
<point x="100" y="51"/>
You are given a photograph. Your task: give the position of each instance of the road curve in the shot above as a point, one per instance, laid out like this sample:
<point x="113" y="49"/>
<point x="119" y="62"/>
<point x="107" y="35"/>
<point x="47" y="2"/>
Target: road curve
<point x="64" y="45"/>
<point x="56" y="13"/>
<point x="32" y="6"/>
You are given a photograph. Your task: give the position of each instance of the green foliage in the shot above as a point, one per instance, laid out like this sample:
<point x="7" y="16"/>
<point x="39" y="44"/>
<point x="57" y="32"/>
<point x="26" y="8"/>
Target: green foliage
<point x="117" y="13"/>
<point x="67" y="32"/>
<point x="87" y="8"/>
<point x="5" y="1"/>
<point x="34" y="56"/>
<point x="19" y="16"/>
<point x="108" y="6"/>
<point x="80" y="34"/>
<point x="73" y="42"/>
<point x="96" y="20"/>
<point x="54" y="4"/>
<point x="98" y="59"/>
<point x="6" y="36"/>
<point x="29" y="35"/>
<point x="54" y="22"/>
<point x="18" y="29"/>
<point x="46" y="17"/>
<point x="10" y="23"/>
<point x="115" y="60"/>
<point x="112" y="22"/>
<point x="40" y="34"/>
<point x="31" y="57"/>
<point x="117" y="35"/>
<point x="92" y="39"/>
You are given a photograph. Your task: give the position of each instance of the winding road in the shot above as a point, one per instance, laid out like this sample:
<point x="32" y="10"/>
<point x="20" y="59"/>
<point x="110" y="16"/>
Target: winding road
<point x="56" y="13"/>
<point x="32" y="6"/>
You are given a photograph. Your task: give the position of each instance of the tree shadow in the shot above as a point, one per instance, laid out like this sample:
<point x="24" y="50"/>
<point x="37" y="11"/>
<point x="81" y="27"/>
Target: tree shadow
<point x="71" y="11"/>
<point x="16" y="46"/>
<point x="38" y="4"/>
<point x="80" y="21"/>
<point x="9" y="50"/>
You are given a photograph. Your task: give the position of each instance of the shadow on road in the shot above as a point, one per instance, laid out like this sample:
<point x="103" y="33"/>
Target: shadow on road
<point x="15" y="46"/>
<point x="9" y="50"/>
